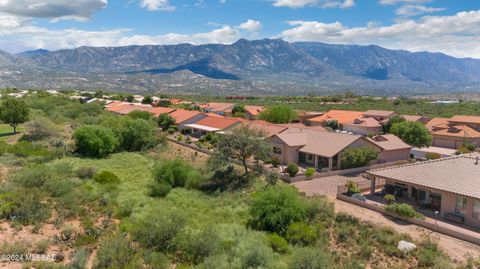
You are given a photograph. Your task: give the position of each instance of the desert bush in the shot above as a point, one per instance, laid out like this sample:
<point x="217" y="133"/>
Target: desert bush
<point x="41" y="246"/>
<point x="272" y="178"/>
<point x="310" y="258"/>
<point x="17" y="248"/>
<point x="117" y="252"/>
<point x="352" y="187"/>
<point x="300" y="233"/>
<point x="40" y="128"/>
<point x="275" y="162"/>
<point x="160" y="189"/>
<point x="140" y="115"/>
<point x="95" y="141"/>
<point x="136" y="135"/>
<point x="195" y="246"/>
<point x="277" y="243"/>
<point x="86" y="172"/>
<point x="176" y="173"/>
<point x="389" y="198"/>
<point x="79" y="259"/>
<point x="157" y="230"/>
<point x="27" y="149"/>
<point x="292" y="169"/>
<point x="404" y="210"/>
<point x="23" y="205"/>
<point x="106" y="178"/>
<point x="156" y="260"/>
<point x="275" y="208"/>
<point x="432" y="156"/>
<point x="310" y="172"/>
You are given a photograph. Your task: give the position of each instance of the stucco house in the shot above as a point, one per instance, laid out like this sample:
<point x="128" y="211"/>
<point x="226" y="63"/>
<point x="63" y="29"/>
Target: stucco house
<point x="363" y="126"/>
<point x="209" y="124"/>
<point x="252" y="112"/>
<point x="223" y="109"/>
<point x="449" y="186"/>
<point x="341" y="116"/>
<point x="416" y="118"/>
<point x="321" y="150"/>
<point x="380" y="115"/>
<point x="392" y="148"/>
<point x="455" y="132"/>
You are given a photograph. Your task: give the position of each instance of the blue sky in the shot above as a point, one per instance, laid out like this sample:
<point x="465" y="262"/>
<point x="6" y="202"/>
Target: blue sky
<point x="448" y="26"/>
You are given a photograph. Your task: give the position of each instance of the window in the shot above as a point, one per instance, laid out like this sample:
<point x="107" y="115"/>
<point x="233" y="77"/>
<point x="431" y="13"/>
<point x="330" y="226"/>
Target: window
<point x="460" y="205"/>
<point x="476" y="210"/>
<point x="310" y="157"/>
<point x="277" y="150"/>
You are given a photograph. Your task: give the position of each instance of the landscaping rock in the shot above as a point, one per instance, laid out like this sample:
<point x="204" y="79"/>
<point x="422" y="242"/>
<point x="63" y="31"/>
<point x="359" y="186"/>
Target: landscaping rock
<point x="405" y="246"/>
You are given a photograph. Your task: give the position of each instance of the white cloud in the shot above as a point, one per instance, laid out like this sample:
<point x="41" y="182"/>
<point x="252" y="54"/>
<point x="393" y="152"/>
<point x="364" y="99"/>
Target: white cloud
<point x="54" y="9"/>
<point x="157" y="5"/>
<point x="394" y="2"/>
<point x="251" y="26"/>
<point x="455" y="35"/>
<point x="414" y="10"/>
<point x="318" y="3"/>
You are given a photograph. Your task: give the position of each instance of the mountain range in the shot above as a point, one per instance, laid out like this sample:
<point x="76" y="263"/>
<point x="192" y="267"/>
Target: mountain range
<point x="268" y="66"/>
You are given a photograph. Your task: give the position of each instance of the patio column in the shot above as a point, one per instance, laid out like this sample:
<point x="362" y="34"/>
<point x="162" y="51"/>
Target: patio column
<point x="330" y="164"/>
<point x="315" y="159"/>
<point x="372" y="185"/>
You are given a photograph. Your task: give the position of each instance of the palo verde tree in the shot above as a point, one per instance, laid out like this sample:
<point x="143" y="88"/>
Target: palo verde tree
<point x="14" y="112"/>
<point x="279" y="114"/>
<point x="241" y="144"/>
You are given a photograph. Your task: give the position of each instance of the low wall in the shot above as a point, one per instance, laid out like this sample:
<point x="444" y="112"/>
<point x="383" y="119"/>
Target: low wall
<point x="418" y="222"/>
<point x="350" y="171"/>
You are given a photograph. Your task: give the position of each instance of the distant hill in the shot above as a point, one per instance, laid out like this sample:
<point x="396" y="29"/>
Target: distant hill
<point x="297" y="67"/>
<point x="33" y="53"/>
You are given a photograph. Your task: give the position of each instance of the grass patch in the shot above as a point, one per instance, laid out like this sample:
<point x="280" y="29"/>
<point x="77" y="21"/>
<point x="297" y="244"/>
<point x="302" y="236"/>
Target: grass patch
<point x="6" y="131"/>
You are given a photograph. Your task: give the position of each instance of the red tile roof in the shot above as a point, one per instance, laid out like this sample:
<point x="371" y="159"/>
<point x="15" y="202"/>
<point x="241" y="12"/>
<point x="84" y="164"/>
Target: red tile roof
<point x="254" y="110"/>
<point x="342" y="116"/>
<point x="217" y="122"/>
<point x="181" y="115"/>
<point x="156" y="111"/>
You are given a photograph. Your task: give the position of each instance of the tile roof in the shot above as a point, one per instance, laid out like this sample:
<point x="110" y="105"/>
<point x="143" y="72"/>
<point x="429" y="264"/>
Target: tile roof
<point x="181" y="115"/>
<point x="267" y="128"/>
<point x="458" y="175"/>
<point x="389" y="142"/>
<point x="300" y="125"/>
<point x="217" y="122"/>
<point x="364" y="122"/>
<point x="254" y="110"/>
<point x="319" y="143"/>
<point x="465" y="119"/>
<point x="379" y="113"/>
<point x="156" y="111"/>
<point x="413" y="117"/>
<point x="342" y="116"/>
<point x="458" y="131"/>
<point x="437" y="122"/>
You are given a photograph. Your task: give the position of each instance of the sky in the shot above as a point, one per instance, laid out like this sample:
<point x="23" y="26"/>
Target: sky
<point x="448" y="26"/>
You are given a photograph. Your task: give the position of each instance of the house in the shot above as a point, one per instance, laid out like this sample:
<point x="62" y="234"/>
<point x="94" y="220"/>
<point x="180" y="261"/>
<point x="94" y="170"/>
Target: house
<point x="415" y="118"/>
<point x="124" y="108"/>
<point x="299" y="125"/>
<point x="183" y="116"/>
<point x="138" y="98"/>
<point x="321" y="150"/>
<point x="304" y="116"/>
<point x="455" y="132"/>
<point x="156" y="111"/>
<point x="224" y="109"/>
<point x="341" y="116"/>
<point x="266" y="128"/>
<point x="209" y="124"/>
<point x="392" y="148"/>
<point x="363" y="126"/>
<point x="252" y="112"/>
<point x="449" y="186"/>
<point x="380" y="115"/>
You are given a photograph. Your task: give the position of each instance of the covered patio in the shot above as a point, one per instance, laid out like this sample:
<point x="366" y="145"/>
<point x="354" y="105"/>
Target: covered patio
<point x="319" y="162"/>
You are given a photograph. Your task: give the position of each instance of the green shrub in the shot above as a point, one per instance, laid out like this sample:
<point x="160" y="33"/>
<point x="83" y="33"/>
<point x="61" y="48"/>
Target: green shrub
<point x="136" y="135"/>
<point x="389" y="198"/>
<point x="79" y="259"/>
<point x="272" y="178"/>
<point x="26" y="149"/>
<point x="158" y="229"/>
<point x="160" y="189"/>
<point x="85" y="172"/>
<point x="404" y="210"/>
<point x="95" y="141"/>
<point x="310" y="172"/>
<point x="17" y="248"/>
<point x="171" y="131"/>
<point x="195" y="246"/>
<point x="300" y="233"/>
<point x="157" y="260"/>
<point x="3" y="147"/>
<point x="275" y="208"/>
<point x="352" y="187"/>
<point x="358" y="157"/>
<point x="277" y="243"/>
<point x="117" y="252"/>
<point x="140" y="115"/>
<point x="177" y="173"/>
<point x="432" y="156"/>
<point x="26" y="206"/>
<point x="310" y="258"/>
<point x="40" y="128"/>
<point x="275" y="162"/>
<point x="165" y="121"/>
<point x="106" y="178"/>
<point x="292" y="169"/>
<point x="41" y="246"/>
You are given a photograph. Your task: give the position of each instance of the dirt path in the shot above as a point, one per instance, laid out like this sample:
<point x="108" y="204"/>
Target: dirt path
<point x="457" y="249"/>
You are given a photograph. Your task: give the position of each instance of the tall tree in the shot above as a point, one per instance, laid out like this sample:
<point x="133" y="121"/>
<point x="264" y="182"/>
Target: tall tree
<point x="412" y="133"/>
<point x="279" y="114"/>
<point x="14" y="112"/>
<point x="391" y="122"/>
<point x="165" y="121"/>
<point x="242" y="144"/>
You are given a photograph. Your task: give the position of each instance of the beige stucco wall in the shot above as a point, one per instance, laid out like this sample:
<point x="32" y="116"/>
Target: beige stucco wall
<point x="448" y="203"/>
<point x="289" y="154"/>
<point x="394" y="155"/>
<point x="452" y="142"/>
